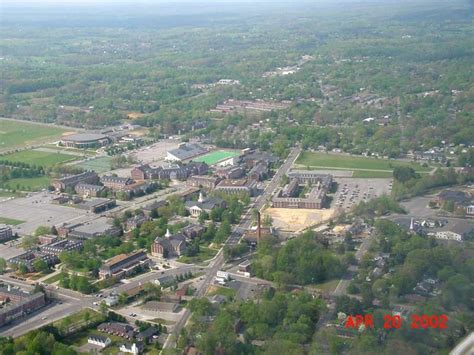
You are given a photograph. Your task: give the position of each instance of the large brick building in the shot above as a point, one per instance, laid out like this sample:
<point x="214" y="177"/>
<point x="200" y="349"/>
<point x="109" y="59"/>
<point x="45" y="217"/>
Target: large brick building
<point x="123" y="264"/>
<point x="317" y="185"/>
<point x="88" y="177"/>
<point x="17" y="303"/>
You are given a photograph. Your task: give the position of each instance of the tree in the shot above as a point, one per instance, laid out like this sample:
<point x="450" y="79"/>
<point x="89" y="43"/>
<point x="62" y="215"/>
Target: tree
<point x="22" y="269"/>
<point x="41" y="266"/>
<point x="29" y="241"/>
<point x="3" y="265"/>
<point x="404" y="173"/>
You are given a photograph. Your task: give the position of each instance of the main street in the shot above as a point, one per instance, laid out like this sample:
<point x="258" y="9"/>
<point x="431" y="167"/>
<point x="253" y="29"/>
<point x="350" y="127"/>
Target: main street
<point x="245" y="223"/>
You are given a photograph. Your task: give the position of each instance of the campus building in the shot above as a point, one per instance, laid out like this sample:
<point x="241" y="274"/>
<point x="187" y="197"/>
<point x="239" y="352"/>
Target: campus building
<point x="123" y="264"/>
<point x="85" y="140"/>
<point x="17" y="303"/>
<point x="169" y="245"/>
<point x="88" y="177"/>
<point x="5" y="233"/>
<point x="316" y="184"/>
<point x="185" y="151"/>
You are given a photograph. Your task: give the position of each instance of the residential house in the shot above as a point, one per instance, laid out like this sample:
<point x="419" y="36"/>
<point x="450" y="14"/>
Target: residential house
<point x="192" y="231"/>
<point x="147" y="335"/>
<point x="134" y="348"/>
<point x="122" y="330"/>
<point x="99" y="340"/>
<point x="135" y="221"/>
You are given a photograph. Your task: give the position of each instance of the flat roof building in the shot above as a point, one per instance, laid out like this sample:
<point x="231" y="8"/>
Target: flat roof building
<point x="85" y="140"/>
<point x="123" y="264"/>
<point x="185" y="151"/>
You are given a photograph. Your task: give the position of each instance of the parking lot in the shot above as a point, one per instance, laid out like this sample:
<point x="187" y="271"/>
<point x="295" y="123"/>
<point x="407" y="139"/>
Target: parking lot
<point x="37" y="210"/>
<point x="351" y="192"/>
<point x="155" y="153"/>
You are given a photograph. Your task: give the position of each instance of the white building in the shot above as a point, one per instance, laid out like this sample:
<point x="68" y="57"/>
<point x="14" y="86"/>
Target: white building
<point x="99" y="340"/>
<point x="132" y="348"/>
<point x="447" y="235"/>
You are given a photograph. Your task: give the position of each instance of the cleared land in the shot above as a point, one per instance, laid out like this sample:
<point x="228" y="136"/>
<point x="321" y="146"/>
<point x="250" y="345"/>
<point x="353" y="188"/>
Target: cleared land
<point x="362" y="167"/>
<point x="19" y="134"/>
<point x="215" y="157"/>
<point x="294" y="220"/>
<point x="34" y="157"/>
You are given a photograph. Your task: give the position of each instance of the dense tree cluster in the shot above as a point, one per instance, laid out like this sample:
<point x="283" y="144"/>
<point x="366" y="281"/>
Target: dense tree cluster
<point x="300" y="261"/>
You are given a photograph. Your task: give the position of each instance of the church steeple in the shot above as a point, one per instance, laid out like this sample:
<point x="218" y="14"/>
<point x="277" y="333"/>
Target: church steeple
<point x="412" y="225"/>
<point x="201" y="197"/>
<point x="168" y="233"/>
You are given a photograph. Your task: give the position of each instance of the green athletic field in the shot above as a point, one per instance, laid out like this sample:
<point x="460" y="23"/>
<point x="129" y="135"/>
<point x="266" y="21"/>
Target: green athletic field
<point x="216" y="156"/>
<point x="19" y="134"/>
<point x="99" y="165"/>
<point x="35" y="157"/>
<point x="361" y="166"/>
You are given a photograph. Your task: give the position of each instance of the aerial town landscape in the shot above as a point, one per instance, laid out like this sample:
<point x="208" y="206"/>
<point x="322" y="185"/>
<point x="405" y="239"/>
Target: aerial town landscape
<point x="229" y="178"/>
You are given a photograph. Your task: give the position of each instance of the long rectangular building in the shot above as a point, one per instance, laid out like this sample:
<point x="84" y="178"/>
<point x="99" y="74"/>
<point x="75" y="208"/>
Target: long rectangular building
<point x="17" y="303"/>
<point x="123" y="264"/>
<point x="88" y="177"/>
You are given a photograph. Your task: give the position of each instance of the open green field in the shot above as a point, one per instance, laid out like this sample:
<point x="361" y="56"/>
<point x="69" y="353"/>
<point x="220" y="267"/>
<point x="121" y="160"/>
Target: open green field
<point x="203" y="255"/>
<point x="45" y="159"/>
<point x="362" y="167"/>
<point x="15" y="134"/>
<point x="99" y="165"/>
<point x="10" y="221"/>
<point x="29" y="184"/>
<point x="216" y="156"/>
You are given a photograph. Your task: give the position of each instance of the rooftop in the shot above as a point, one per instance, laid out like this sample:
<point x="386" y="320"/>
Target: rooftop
<point x="84" y="137"/>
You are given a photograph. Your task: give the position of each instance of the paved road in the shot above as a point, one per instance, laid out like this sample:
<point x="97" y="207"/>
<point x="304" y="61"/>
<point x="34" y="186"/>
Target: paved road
<point x="233" y="239"/>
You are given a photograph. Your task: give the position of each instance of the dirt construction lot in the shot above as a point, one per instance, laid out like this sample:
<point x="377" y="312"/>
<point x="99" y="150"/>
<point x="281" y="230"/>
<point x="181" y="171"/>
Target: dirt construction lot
<point x="294" y="220"/>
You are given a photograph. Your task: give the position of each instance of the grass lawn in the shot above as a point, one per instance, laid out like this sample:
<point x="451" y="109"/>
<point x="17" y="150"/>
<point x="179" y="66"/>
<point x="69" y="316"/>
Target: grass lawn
<point x="204" y="254"/>
<point x="214" y="157"/>
<point x="53" y="279"/>
<point x="100" y="165"/>
<point x="19" y="134"/>
<point x="78" y="319"/>
<point x="323" y="160"/>
<point x="371" y="174"/>
<point x="29" y="184"/>
<point x="223" y="291"/>
<point x="45" y="159"/>
<point x="328" y="286"/>
<point x="10" y="221"/>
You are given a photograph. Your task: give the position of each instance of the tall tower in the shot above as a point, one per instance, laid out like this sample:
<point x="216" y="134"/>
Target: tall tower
<point x="201" y="197"/>
<point x="412" y="226"/>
